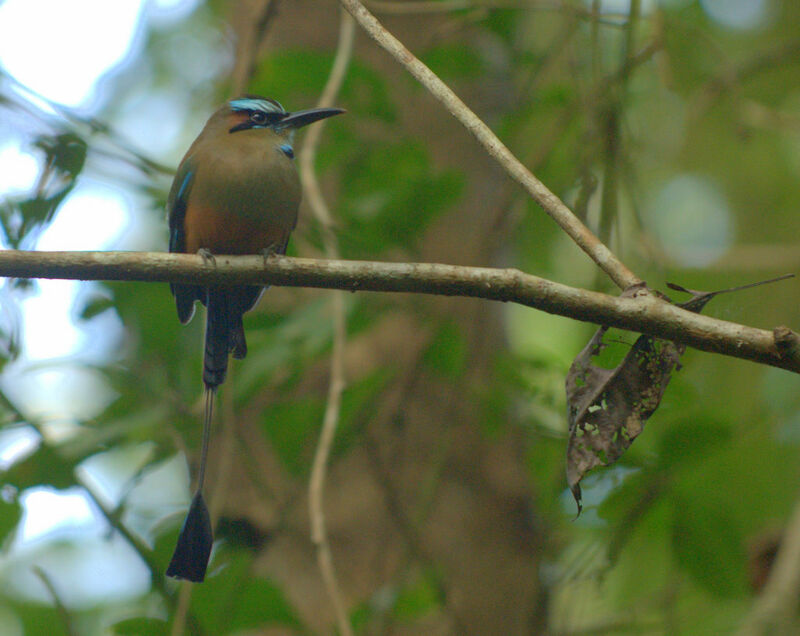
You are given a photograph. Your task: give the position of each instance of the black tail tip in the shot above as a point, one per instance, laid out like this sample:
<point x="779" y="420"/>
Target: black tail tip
<point x="190" y="559"/>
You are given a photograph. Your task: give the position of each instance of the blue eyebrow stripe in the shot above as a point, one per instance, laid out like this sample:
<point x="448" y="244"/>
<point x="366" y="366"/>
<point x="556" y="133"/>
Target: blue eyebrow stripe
<point x="248" y="103"/>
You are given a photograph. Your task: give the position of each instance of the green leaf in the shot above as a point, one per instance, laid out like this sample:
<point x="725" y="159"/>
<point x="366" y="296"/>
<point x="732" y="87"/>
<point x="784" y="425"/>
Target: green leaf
<point x="141" y="625"/>
<point x="417" y="599"/>
<point x="44" y="466"/>
<point x="38" y="619"/>
<point x="10" y="514"/>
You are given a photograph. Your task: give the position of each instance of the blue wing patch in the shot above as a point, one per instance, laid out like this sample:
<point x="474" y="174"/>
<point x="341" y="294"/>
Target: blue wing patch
<point x="185" y="295"/>
<point x="178" y="212"/>
<point x="185" y="186"/>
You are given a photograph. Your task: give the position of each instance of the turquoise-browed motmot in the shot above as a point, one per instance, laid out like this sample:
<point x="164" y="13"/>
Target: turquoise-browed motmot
<point x="236" y="192"/>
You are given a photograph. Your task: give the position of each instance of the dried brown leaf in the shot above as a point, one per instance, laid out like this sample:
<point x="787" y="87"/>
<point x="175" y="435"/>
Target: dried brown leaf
<point x="607" y="408"/>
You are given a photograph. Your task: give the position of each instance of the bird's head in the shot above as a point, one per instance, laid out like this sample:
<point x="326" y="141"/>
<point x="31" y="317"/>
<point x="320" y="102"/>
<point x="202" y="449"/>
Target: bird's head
<point x="251" y="112"/>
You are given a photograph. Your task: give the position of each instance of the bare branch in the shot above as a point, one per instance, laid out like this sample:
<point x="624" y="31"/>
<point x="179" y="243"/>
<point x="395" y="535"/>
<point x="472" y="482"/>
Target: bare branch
<point x="253" y="25"/>
<point x="319" y="468"/>
<point x="551" y="204"/>
<point x="644" y="314"/>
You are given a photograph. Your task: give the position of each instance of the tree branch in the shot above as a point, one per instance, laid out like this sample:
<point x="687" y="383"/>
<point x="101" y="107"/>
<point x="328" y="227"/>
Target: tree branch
<point x="643" y="314"/>
<point x="558" y="211"/>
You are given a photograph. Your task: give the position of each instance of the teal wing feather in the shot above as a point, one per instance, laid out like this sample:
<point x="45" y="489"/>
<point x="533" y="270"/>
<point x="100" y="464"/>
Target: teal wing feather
<point x="178" y="198"/>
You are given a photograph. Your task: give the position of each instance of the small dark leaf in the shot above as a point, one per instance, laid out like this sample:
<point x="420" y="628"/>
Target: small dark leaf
<point x="608" y="407"/>
<point x="65" y="152"/>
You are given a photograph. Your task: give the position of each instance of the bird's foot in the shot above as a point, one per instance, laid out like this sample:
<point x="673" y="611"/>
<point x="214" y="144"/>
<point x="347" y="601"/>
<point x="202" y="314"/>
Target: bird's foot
<point x="207" y="256"/>
<point x="271" y="251"/>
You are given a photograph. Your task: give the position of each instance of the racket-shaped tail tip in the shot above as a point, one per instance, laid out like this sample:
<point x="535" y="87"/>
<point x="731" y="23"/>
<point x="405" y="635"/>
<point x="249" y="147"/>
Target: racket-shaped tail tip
<point x="190" y="559"/>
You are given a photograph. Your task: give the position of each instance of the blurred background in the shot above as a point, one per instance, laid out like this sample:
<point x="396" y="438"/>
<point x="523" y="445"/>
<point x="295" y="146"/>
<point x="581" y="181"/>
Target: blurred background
<point x="671" y="126"/>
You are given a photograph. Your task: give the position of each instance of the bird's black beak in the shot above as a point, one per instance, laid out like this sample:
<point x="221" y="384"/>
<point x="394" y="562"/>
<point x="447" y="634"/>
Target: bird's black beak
<point x="304" y="117"/>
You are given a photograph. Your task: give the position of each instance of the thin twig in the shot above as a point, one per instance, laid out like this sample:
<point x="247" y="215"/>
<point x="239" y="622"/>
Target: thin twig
<point x="775" y="610"/>
<point x="316" y="485"/>
<point x="181" y="611"/>
<point x="643" y="314"/>
<point x="551" y="204"/>
<point x="61" y="609"/>
<point x="251" y="36"/>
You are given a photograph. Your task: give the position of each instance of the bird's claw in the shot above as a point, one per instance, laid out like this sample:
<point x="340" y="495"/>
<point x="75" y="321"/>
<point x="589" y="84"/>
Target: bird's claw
<point x="270" y="251"/>
<point x="207" y="256"/>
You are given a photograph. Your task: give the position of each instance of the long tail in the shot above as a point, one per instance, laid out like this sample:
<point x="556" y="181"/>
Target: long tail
<point x="224" y="334"/>
<point x="192" y="552"/>
<point x="190" y="558"/>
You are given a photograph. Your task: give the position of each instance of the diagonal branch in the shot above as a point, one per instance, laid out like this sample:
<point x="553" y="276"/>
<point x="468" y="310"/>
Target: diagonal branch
<point x="560" y="213"/>
<point x="643" y="314"/>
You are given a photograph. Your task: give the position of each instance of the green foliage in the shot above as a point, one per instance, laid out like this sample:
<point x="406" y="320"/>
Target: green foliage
<point x="442" y="413"/>
<point x="290" y="427"/>
<point x="391" y="195"/>
<point x="141" y="625"/>
<point x="417" y="599"/>
<point x="21" y="219"/>
<point x="10" y="514"/>
<point x="453" y="62"/>
<point x="47" y="465"/>
<point x="359" y="400"/>
<point x="447" y="353"/>
<point x="709" y="545"/>
<point x="38" y="619"/>
<point x="300" y="75"/>
<point x="238" y="600"/>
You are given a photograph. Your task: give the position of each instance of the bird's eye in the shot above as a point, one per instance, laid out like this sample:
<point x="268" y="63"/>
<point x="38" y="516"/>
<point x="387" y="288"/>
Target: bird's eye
<point x="257" y="117"/>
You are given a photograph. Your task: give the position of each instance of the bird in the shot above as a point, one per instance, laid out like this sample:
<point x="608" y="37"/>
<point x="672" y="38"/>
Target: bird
<point x="236" y="191"/>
